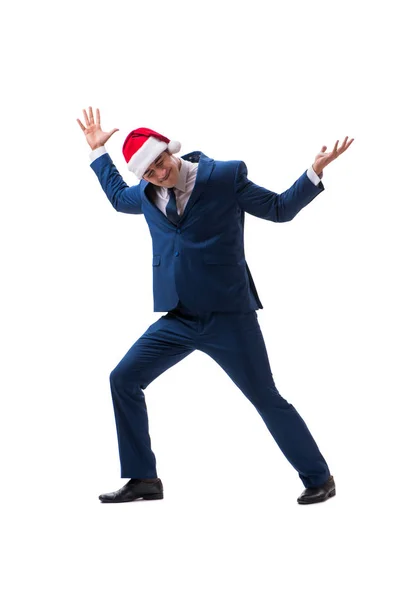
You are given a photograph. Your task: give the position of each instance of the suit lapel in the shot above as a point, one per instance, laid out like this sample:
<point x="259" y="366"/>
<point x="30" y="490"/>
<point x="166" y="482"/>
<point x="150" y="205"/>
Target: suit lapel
<point x="203" y="174"/>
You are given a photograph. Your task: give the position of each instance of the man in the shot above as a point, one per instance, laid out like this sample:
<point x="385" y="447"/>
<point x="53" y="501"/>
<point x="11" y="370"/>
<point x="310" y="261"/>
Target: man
<point x="194" y="207"/>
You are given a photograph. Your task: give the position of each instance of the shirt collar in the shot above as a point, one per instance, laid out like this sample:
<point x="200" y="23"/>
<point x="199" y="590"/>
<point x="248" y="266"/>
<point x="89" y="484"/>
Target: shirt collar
<point x="183" y="173"/>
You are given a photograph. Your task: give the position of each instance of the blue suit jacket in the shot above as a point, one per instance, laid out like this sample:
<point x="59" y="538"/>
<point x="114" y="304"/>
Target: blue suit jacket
<point x="201" y="260"/>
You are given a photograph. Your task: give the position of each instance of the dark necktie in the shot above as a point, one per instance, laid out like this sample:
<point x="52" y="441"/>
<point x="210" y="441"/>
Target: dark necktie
<point x="171" y="209"/>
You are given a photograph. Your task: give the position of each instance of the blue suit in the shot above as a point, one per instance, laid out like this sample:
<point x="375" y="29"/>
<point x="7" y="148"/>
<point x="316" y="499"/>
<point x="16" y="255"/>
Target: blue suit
<point x="202" y="280"/>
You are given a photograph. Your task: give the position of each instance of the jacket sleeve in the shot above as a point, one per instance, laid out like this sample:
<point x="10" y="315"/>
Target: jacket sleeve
<point x="123" y="198"/>
<point x="263" y="203"/>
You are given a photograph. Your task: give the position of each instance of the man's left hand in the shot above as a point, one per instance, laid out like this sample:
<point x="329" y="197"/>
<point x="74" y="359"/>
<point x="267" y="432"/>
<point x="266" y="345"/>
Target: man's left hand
<point x="324" y="158"/>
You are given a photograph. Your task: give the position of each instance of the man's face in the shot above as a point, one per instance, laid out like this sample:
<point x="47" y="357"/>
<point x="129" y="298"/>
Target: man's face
<point x="164" y="171"/>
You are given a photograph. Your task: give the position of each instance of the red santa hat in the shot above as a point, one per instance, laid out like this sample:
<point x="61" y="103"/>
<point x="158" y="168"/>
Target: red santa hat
<point x="142" y="146"/>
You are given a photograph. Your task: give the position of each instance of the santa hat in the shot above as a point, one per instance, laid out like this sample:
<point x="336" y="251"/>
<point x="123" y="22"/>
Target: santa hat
<point x="142" y="146"/>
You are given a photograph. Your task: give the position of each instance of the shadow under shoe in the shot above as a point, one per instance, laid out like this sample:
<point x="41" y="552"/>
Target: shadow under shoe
<point x="318" y="494"/>
<point x="135" y="489"/>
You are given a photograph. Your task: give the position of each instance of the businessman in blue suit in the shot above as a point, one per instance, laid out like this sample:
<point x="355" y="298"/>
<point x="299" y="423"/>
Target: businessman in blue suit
<point x="195" y="208"/>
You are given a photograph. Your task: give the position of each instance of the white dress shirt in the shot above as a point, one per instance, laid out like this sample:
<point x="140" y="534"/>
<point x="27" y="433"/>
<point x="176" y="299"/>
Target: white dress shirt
<point x="185" y="184"/>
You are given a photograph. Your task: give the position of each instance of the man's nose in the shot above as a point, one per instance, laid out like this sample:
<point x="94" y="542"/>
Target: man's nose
<point x="162" y="173"/>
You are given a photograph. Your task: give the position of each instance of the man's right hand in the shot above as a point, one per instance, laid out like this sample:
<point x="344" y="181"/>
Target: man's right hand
<point x="95" y="137"/>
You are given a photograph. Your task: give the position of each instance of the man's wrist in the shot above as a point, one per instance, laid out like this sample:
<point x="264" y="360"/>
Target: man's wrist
<point x="315" y="171"/>
<point x="311" y="174"/>
<point x="96" y="152"/>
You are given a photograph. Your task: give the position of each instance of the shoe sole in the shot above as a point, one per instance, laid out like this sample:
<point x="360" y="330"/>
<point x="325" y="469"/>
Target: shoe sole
<point x="158" y="496"/>
<point x="330" y="494"/>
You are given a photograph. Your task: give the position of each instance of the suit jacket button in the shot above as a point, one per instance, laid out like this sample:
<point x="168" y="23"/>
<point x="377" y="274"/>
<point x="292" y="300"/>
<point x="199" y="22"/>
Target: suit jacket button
<point x="176" y="253"/>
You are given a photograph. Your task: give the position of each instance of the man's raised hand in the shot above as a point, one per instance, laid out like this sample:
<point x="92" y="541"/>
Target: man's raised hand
<point x="95" y="137"/>
<point x="324" y="158"/>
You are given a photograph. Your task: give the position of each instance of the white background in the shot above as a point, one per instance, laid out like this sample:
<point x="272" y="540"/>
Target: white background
<point x="269" y="84"/>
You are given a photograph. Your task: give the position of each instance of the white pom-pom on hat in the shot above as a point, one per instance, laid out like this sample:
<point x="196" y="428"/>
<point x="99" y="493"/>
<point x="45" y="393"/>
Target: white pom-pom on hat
<point x="174" y="146"/>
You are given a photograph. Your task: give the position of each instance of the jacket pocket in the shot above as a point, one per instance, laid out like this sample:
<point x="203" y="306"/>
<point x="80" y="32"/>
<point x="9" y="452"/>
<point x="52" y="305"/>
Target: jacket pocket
<point x="156" y="260"/>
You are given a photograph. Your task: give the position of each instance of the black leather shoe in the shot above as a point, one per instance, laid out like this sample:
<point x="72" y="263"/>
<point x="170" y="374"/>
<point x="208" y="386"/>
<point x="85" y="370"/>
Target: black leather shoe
<point x="318" y="494"/>
<point x="134" y="489"/>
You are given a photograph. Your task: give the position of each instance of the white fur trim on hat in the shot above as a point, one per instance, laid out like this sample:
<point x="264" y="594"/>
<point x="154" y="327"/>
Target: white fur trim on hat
<point x="146" y="154"/>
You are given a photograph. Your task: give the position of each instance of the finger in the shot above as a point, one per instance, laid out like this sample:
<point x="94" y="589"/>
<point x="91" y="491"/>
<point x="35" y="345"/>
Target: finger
<point x="113" y="131"/>
<point x="86" y="118"/>
<point x="91" y="115"/>
<point x="335" y="147"/>
<point x="342" y="147"/>
<point x="323" y="149"/>
<point x="98" y="116"/>
<point x="82" y="126"/>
